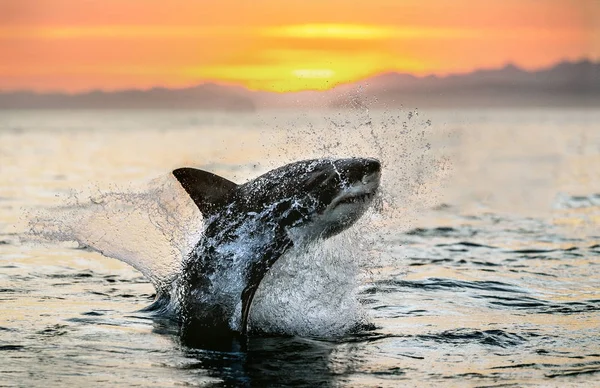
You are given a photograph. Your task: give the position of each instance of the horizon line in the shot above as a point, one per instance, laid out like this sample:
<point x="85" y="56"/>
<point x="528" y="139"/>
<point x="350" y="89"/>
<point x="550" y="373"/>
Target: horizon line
<point x="439" y="75"/>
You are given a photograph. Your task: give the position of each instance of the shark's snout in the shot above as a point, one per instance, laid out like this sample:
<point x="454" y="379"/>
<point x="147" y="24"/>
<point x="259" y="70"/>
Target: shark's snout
<point x="371" y="166"/>
<point x="357" y="170"/>
<point x="372" y="173"/>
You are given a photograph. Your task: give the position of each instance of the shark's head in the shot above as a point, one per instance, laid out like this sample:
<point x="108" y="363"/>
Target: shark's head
<point x="319" y="197"/>
<point x="341" y="191"/>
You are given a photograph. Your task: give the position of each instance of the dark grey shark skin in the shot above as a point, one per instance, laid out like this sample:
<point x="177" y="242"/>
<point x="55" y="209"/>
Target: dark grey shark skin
<point x="249" y="226"/>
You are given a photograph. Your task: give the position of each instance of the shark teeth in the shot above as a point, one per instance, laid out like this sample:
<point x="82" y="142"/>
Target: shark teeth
<point x="358" y="198"/>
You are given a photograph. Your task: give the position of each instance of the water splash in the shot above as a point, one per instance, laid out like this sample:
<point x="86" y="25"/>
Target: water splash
<point x="416" y="163"/>
<point x="312" y="291"/>
<point x="152" y="227"/>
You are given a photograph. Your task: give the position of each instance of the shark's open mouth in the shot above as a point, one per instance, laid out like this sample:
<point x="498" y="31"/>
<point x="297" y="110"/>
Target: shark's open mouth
<point x="357" y="198"/>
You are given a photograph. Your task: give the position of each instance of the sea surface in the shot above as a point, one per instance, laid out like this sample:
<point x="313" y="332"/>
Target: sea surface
<point x="479" y="265"/>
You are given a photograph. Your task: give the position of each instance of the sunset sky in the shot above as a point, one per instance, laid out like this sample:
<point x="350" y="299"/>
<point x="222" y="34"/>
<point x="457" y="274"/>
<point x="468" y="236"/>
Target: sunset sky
<point x="279" y="45"/>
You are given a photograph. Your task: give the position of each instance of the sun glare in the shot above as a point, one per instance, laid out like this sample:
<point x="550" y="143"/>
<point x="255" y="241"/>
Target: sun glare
<point x="313" y="73"/>
<point x="295" y="70"/>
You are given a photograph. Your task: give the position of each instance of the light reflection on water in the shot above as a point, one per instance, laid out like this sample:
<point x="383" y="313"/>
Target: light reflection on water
<point x="485" y="274"/>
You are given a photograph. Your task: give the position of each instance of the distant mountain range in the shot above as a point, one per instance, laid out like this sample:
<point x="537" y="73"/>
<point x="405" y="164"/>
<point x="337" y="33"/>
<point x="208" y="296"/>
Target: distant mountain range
<point x="565" y="84"/>
<point x="205" y="96"/>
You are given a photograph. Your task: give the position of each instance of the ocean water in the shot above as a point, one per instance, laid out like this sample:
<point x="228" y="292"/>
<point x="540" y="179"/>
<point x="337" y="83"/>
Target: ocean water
<point x="478" y="266"/>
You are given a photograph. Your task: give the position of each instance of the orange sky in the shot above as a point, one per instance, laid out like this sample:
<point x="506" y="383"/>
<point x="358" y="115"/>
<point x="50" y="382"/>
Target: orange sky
<point x="282" y="45"/>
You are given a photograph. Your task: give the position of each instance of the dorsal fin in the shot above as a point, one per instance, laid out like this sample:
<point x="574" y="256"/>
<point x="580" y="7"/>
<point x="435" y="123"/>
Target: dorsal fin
<point x="208" y="191"/>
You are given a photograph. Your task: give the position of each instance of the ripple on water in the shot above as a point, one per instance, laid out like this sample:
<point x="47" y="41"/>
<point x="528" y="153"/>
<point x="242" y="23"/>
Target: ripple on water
<point x="499" y="338"/>
<point x="433" y="284"/>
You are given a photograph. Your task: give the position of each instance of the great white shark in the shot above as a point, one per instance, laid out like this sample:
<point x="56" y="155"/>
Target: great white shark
<point x="248" y="227"/>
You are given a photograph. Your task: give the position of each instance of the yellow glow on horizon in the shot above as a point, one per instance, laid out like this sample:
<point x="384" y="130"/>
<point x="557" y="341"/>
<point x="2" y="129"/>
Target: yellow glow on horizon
<point x="313" y="73"/>
<point x="296" y="70"/>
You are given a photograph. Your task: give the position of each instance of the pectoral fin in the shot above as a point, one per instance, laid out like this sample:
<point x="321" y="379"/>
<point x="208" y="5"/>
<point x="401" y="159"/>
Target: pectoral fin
<point x="258" y="270"/>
